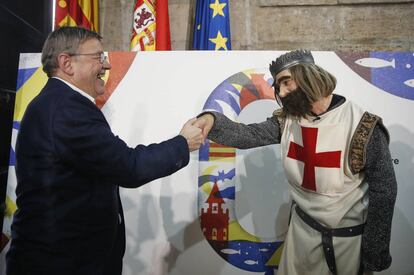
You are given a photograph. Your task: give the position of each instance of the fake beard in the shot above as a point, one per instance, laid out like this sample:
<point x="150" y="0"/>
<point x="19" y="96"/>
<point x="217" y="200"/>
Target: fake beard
<point x="296" y="104"/>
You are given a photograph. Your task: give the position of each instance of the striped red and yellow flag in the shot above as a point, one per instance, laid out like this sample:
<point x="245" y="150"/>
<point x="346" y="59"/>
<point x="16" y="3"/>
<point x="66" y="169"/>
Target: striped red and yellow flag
<point x="221" y="152"/>
<point x="81" y="13"/>
<point x="151" y="26"/>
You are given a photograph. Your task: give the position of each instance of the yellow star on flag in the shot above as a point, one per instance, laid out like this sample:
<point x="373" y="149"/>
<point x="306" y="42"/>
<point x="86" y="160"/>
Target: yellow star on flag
<point x="220" y="41"/>
<point x="218" y="8"/>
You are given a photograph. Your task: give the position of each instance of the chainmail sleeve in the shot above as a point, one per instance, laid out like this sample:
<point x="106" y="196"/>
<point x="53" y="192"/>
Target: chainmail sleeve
<point x="244" y="136"/>
<point x="382" y="193"/>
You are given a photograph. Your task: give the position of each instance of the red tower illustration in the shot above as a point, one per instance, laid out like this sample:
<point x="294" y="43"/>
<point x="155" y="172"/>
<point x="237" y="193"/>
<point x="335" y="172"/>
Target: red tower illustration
<point x="214" y="220"/>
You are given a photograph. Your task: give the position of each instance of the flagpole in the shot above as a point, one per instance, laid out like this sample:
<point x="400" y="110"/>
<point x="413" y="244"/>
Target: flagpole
<point x="53" y="13"/>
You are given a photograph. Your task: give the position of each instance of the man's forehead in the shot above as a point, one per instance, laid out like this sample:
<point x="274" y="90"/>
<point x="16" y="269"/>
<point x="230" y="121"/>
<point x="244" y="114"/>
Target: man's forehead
<point x="91" y="43"/>
<point x="283" y="74"/>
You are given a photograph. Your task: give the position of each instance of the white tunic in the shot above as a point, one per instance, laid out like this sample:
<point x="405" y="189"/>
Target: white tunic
<point x="315" y="156"/>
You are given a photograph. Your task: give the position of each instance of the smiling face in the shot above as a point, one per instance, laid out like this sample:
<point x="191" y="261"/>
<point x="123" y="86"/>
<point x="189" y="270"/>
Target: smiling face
<point x="88" y="69"/>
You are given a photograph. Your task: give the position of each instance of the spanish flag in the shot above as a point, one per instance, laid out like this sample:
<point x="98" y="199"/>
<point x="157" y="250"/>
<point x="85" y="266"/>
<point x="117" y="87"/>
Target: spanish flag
<point x="151" y="26"/>
<point x="81" y="13"/>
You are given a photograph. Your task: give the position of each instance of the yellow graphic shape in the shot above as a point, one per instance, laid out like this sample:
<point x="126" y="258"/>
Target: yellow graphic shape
<point x="217" y="8"/>
<point x="27" y="92"/>
<point x="222" y="159"/>
<point x="275" y="259"/>
<point x="250" y="72"/>
<point x="220" y="41"/>
<point x="236" y="232"/>
<point x="206" y="188"/>
<point x="11" y="207"/>
<point x="237" y="86"/>
<point x="208" y="171"/>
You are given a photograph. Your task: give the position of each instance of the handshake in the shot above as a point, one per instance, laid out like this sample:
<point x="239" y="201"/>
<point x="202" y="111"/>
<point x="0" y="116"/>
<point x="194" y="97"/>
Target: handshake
<point x="196" y="130"/>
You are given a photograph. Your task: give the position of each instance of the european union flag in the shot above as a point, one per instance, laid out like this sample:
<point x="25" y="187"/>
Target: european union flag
<point x="212" y="25"/>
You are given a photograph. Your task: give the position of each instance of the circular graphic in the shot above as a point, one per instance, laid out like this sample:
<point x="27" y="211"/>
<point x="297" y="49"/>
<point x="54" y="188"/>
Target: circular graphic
<point x="217" y="172"/>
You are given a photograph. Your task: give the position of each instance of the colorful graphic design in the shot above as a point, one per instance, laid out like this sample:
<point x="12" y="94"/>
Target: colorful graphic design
<point x="216" y="197"/>
<point x="392" y="72"/>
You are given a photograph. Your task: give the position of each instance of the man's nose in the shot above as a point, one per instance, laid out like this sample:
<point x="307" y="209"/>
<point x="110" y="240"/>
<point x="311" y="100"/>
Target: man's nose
<point x="283" y="91"/>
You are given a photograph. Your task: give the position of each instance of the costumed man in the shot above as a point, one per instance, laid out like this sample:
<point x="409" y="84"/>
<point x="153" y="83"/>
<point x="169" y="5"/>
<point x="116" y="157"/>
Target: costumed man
<point x="69" y="166"/>
<point x="338" y="165"/>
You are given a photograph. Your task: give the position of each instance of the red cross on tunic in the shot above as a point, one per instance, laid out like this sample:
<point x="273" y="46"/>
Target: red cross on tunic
<point x="307" y="154"/>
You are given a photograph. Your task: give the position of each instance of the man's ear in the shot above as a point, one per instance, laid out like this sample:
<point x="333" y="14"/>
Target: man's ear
<point x="65" y="63"/>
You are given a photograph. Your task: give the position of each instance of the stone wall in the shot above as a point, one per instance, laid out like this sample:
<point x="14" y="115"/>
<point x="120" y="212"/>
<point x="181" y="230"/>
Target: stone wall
<point x="282" y="24"/>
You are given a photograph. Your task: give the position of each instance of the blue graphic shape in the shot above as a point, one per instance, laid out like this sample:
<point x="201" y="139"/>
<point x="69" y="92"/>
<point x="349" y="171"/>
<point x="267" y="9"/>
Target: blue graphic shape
<point x="228" y="193"/>
<point x="16" y="125"/>
<point x="392" y="80"/>
<point x="249" y="256"/>
<point x="203" y="152"/>
<point x="23" y="75"/>
<point x="222" y="93"/>
<point x="12" y="159"/>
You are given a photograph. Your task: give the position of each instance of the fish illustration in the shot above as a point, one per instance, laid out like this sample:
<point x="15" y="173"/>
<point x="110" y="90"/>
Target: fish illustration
<point x="251" y="262"/>
<point x="372" y="62"/>
<point x="230" y="251"/>
<point x="409" y="83"/>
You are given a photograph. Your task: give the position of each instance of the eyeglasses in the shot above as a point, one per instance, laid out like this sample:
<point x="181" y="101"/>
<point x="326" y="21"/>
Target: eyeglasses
<point x="100" y="56"/>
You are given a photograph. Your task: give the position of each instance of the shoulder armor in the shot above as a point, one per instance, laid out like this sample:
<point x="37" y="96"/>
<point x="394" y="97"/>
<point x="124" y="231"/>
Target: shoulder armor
<point x="281" y="118"/>
<point x="360" y="139"/>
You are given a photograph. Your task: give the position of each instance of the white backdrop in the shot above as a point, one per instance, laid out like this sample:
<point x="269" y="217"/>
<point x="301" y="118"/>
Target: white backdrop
<point x="162" y="90"/>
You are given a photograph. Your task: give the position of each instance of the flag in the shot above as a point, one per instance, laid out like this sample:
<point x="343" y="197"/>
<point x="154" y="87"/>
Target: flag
<point x="212" y="25"/>
<point x="151" y="26"/>
<point x="81" y="13"/>
<point x="211" y="151"/>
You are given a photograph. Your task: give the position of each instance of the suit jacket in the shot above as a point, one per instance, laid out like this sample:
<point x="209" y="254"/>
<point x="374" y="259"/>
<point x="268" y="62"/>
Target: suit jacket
<point x="69" y="166"/>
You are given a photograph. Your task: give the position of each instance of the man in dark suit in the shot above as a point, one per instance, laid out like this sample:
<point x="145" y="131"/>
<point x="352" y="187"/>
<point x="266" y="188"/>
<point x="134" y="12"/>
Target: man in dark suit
<point x="70" y="165"/>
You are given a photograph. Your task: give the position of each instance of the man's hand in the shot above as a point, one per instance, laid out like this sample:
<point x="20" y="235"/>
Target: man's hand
<point x="205" y="123"/>
<point x="192" y="134"/>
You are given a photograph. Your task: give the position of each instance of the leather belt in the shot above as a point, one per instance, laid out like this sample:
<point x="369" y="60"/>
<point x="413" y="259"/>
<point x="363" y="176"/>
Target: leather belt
<point x="327" y="234"/>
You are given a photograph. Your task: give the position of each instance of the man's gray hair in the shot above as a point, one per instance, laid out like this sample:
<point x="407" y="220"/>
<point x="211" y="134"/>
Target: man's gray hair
<point x="63" y="40"/>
